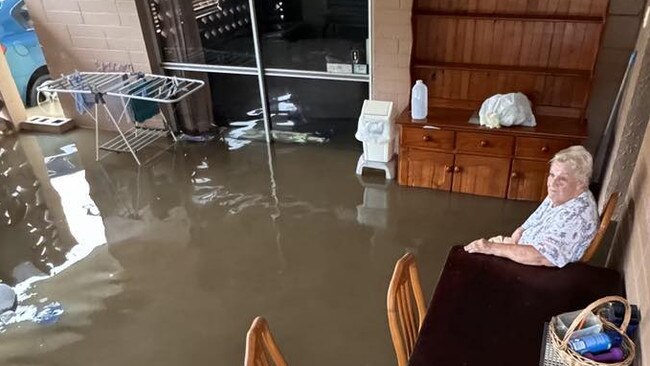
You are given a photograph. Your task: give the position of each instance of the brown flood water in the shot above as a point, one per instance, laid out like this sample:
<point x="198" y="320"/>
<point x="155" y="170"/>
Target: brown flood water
<point x="169" y="264"/>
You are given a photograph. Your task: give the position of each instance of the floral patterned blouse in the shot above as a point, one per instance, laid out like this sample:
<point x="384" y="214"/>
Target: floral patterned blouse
<point x="562" y="233"/>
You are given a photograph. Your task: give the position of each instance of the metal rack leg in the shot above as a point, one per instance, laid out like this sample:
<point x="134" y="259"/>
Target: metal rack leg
<point x="125" y="105"/>
<point x="169" y="129"/>
<point x="95" y="117"/>
<point x="96" y="133"/>
<point x="126" y="142"/>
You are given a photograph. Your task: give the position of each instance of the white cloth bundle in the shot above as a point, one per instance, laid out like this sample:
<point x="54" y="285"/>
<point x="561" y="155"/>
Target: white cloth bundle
<point x="512" y="109"/>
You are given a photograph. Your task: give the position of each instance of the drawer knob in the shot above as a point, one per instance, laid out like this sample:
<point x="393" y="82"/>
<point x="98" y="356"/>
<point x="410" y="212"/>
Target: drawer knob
<point x="448" y="169"/>
<point x="544" y="148"/>
<point x="483" y="143"/>
<point x="426" y="138"/>
<point x="514" y="175"/>
<point x="457" y="169"/>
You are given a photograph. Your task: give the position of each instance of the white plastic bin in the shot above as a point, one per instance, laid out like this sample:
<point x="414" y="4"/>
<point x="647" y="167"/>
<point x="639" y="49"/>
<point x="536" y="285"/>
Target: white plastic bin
<point x="592" y="324"/>
<point x="381" y="153"/>
<point x="376" y="130"/>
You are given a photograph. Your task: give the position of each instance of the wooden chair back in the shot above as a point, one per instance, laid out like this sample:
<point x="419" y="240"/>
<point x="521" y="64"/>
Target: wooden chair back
<point x="261" y="349"/>
<point x="605" y="219"/>
<point x="406" y="307"/>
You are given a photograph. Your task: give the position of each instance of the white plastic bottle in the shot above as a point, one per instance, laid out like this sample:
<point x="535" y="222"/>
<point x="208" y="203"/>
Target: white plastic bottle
<point x="419" y="98"/>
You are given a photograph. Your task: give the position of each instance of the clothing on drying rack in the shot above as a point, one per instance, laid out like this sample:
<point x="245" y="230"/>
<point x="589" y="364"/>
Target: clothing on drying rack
<point x="141" y="110"/>
<point x="82" y="101"/>
<point x="173" y="87"/>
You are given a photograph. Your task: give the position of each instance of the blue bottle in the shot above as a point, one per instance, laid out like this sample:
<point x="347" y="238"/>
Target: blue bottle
<point x="595" y="343"/>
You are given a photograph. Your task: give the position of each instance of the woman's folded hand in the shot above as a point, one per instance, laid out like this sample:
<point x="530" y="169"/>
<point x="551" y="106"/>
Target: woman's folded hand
<point x="479" y="246"/>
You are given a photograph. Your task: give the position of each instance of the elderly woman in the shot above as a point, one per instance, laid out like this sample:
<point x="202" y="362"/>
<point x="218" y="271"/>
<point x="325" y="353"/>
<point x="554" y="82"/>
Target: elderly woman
<point x="562" y="227"/>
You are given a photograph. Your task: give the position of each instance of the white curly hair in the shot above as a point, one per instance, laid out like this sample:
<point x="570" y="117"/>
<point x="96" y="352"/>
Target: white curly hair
<point x="579" y="159"/>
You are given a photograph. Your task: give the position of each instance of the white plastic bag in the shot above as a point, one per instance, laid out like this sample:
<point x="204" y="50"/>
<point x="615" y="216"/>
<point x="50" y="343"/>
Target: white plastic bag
<point x="375" y="131"/>
<point x="506" y="110"/>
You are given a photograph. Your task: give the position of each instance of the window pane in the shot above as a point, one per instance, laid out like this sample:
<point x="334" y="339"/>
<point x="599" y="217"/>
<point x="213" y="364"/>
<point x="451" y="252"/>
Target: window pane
<point x="236" y="105"/>
<point x="21" y="15"/>
<point x="322" y="109"/>
<point x="322" y="35"/>
<point x="214" y="32"/>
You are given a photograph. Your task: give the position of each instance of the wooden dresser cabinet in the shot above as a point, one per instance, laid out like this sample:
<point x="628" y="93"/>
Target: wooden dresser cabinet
<point x="446" y="152"/>
<point x="467" y="51"/>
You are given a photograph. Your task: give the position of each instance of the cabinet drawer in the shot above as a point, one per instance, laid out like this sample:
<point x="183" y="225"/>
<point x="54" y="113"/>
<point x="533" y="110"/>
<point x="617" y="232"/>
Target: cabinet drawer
<point x="484" y="143"/>
<point x="433" y="139"/>
<point x="540" y="148"/>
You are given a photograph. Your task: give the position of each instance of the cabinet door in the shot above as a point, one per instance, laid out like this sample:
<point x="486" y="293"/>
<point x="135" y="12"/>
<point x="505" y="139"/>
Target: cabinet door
<point x="428" y="169"/>
<point x="528" y="180"/>
<point x="481" y="175"/>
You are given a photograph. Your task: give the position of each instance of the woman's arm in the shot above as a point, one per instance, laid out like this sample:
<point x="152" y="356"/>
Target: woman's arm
<point x="512" y="239"/>
<point x="516" y="235"/>
<point x="524" y="254"/>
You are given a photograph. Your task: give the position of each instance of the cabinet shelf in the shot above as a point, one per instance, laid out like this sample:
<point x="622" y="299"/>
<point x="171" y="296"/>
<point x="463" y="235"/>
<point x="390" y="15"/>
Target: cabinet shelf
<point x="505" y="16"/>
<point x="504" y="68"/>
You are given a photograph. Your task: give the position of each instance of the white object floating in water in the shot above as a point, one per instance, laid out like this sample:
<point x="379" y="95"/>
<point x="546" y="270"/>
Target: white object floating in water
<point x="7" y="298"/>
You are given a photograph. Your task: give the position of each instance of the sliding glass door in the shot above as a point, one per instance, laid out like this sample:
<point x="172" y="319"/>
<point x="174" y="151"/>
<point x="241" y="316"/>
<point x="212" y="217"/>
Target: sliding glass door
<point x="295" y="68"/>
<point x="314" y="57"/>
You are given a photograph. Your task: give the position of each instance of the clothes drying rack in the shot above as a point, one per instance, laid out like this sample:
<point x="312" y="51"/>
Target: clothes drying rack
<point x="96" y="86"/>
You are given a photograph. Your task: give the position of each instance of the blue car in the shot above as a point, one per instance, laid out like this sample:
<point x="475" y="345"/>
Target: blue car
<point x="20" y="45"/>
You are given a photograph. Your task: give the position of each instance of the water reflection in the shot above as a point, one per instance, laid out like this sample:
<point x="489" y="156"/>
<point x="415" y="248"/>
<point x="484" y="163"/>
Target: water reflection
<point x="374" y="210"/>
<point x="224" y="229"/>
<point x="205" y="191"/>
<point x="239" y="131"/>
<point x="26" y="220"/>
<point x="56" y="219"/>
<point x="83" y="217"/>
<point x="205" y="238"/>
<point x="287" y="124"/>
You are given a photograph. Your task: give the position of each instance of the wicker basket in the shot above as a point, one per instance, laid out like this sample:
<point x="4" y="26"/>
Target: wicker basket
<point x="572" y="358"/>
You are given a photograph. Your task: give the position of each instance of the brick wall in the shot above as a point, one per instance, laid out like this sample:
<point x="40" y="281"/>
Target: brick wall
<point x="618" y="42"/>
<point x="631" y="123"/>
<point x="78" y="34"/>
<point x="633" y="258"/>
<point x="628" y="172"/>
<point x="391" y="24"/>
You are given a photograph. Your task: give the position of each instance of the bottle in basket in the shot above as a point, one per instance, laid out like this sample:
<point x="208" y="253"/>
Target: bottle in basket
<point x="595" y="343"/>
